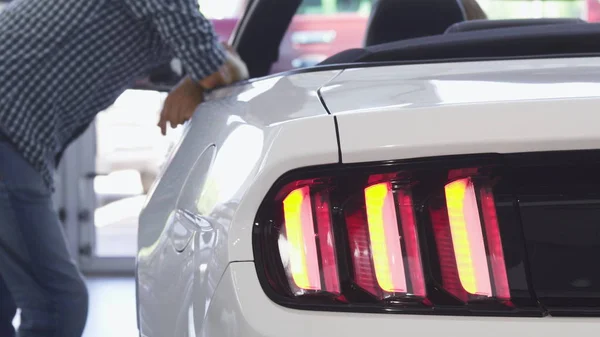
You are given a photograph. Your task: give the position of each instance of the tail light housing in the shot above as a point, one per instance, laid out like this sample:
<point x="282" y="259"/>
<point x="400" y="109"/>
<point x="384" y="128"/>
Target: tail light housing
<point x="393" y="238"/>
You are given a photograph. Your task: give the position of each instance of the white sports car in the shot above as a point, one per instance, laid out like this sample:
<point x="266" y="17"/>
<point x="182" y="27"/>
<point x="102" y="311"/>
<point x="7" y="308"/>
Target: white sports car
<point x="443" y="185"/>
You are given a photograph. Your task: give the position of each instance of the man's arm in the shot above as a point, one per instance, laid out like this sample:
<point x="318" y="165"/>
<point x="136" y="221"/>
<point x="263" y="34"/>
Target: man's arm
<point x="209" y="64"/>
<point x="190" y="35"/>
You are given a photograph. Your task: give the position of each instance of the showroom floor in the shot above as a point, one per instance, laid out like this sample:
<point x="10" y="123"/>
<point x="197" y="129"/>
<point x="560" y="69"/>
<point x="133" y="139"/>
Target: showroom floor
<point x="112" y="307"/>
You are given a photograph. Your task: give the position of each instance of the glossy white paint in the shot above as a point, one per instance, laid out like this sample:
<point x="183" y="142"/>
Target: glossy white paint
<point x="241" y="309"/>
<point x="399" y="112"/>
<point x="195" y="271"/>
<point x="236" y="146"/>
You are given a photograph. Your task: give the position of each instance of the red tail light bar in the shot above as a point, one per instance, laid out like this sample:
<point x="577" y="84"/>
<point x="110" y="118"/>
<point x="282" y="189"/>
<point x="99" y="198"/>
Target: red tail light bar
<point x="401" y="241"/>
<point x="473" y="264"/>
<point x="309" y="271"/>
<point x="381" y="243"/>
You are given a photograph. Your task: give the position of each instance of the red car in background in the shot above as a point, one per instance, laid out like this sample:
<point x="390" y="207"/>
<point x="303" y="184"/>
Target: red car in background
<point x="593" y="10"/>
<point x="336" y="25"/>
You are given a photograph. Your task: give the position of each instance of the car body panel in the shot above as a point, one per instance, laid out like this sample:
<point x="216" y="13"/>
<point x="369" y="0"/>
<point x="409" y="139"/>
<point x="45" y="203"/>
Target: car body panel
<point x="415" y="111"/>
<point x="237" y="145"/>
<point x="242" y="309"/>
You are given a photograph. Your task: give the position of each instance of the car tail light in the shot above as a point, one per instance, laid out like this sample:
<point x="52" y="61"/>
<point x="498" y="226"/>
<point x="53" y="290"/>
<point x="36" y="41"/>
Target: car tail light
<point x="381" y="243"/>
<point x="398" y="240"/>
<point x="310" y="267"/>
<point x="473" y="264"/>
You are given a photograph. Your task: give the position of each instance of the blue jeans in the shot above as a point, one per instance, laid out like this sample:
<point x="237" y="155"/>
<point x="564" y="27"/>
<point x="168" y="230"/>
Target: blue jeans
<point x="37" y="273"/>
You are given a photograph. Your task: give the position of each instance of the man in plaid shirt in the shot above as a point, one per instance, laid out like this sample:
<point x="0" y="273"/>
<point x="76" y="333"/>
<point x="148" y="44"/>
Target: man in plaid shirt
<point x="62" y="62"/>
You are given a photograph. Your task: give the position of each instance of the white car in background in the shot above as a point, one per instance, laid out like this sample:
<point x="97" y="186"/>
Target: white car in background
<point x="442" y="185"/>
<point x="128" y="136"/>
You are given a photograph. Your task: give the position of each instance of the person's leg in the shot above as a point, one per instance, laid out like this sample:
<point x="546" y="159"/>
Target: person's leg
<point x="8" y="309"/>
<point x="34" y="260"/>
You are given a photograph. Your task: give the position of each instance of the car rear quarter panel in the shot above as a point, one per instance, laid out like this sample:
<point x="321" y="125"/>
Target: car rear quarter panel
<point x="413" y="111"/>
<point x="235" y="147"/>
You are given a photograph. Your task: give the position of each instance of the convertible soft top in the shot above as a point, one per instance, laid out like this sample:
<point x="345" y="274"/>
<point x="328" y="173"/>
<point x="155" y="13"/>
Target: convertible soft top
<point x="523" y="41"/>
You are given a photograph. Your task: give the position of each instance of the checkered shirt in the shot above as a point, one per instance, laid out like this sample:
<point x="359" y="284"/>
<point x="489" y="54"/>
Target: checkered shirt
<point x="63" y="61"/>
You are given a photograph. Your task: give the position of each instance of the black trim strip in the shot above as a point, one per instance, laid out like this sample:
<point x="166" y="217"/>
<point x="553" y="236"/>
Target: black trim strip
<point x="344" y="66"/>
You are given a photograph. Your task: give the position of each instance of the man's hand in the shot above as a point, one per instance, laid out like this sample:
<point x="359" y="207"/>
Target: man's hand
<point x="181" y="103"/>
